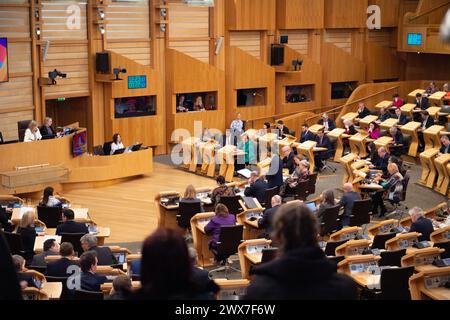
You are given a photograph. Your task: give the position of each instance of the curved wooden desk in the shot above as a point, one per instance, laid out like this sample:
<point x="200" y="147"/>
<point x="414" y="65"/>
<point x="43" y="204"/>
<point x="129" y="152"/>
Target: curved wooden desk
<point x="167" y="212"/>
<point x="382" y="227"/>
<point x="432" y="137"/>
<point x="420" y="290"/>
<point x="337" y="134"/>
<point x="443" y="180"/>
<point x="358" y="144"/>
<point x="411" y="129"/>
<point x="440" y="235"/>
<point x="347" y="161"/>
<point x="201" y="240"/>
<point x="428" y="169"/>
<point x="250" y="254"/>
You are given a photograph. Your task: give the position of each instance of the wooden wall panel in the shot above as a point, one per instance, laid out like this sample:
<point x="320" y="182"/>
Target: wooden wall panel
<point x="137" y="51"/>
<point x="55" y="15"/>
<point x="128" y="20"/>
<point x="340" y="38"/>
<point x="345" y="13"/>
<point x="16" y="94"/>
<point x="382" y="38"/>
<point x="72" y="60"/>
<point x="250" y="14"/>
<point x="298" y="40"/>
<point x="390" y="10"/>
<point x="19" y="57"/>
<point x="427" y="66"/>
<point x="382" y="62"/>
<point x="248" y="41"/>
<point x="300" y="14"/>
<point x="198" y="49"/>
<point x="15" y="22"/>
<point x="8" y="123"/>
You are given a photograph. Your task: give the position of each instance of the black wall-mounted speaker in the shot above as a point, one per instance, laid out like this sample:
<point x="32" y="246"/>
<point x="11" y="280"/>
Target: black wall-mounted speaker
<point x="284" y="39"/>
<point x="102" y="62"/>
<point x="277" y="55"/>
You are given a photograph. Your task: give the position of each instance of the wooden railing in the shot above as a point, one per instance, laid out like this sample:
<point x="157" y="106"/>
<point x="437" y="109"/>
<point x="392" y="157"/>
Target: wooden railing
<point x="427" y="12"/>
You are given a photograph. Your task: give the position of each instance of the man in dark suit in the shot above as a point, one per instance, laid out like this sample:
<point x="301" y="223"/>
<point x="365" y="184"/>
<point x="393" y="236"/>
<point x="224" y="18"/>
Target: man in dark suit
<point x="348" y="199"/>
<point x="328" y="123"/>
<point x="90" y="281"/>
<point x="420" y="224"/>
<point x="266" y="220"/>
<point x="288" y="159"/>
<point x="398" y="148"/>
<point x="69" y="225"/>
<point x="47" y="129"/>
<point x="275" y="174"/>
<point x="382" y="161"/>
<point x="257" y="187"/>
<point x="384" y="115"/>
<point x="445" y="148"/>
<point x="322" y="142"/>
<point x="282" y="129"/>
<point x="104" y="255"/>
<point x="306" y="134"/>
<point x="50" y="248"/>
<point x="422" y="102"/>
<point x="363" y="111"/>
<point x="60" y="267"/>
<point x="402" y="119"/>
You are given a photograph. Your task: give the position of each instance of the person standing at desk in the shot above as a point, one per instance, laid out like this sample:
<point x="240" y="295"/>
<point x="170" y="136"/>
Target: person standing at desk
<point x="322" y="142"/>
<point x="347" y="201"/>
<point x="222" y="218"/>
<point x="32" y="133"/>
<point x="246" y="145"/>
<point x="301" y="270"/>
<point x="274" y="176"/>
<point x="221" y="190"/>
<point x="373" y="131"/>
<point x="236" y="129"/>
<point x="402" y="119"/>
<point x="257" y="187"/>
<point x="306" y="134"/>
<point x="421" y="224"/>
<point x="266" y="219"/>
<point x="445" y="147"/>
<point x="47" y="129"/>
<point x="117" y="143"/>
<point x="363" y="111"/>
<point x="328" y="123"/>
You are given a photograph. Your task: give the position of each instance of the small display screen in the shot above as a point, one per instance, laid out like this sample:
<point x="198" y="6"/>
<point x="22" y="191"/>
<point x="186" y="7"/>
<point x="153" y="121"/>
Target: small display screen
<point x="414" y="39"/>
<point x="137" y="82"/>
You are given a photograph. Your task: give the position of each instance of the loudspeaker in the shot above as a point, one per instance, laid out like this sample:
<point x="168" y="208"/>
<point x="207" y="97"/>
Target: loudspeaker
<point x="277" y="57"/>
<point x="284" y="39"/>
<point x="102" y="62"/>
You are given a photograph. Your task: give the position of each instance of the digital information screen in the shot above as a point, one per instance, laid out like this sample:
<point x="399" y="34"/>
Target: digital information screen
<point x="137" y="82"/>
<point x="414" y="39"/>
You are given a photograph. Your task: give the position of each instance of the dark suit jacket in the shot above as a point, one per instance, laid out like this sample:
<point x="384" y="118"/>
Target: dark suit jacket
<point x="307" y="136"/>
<point x="288" y="162"/>
<point x="347" y="201"/>
<point x="4" y="220"/>
<point x="275" y="175"/>
<point x="91" y="281"/>
<point x="423" y="226"/>
<point x="45" y="131"/>
<point x="59" y="267"/>
<point x="444" y="149"/>
<point x="39" y="259"/>
<point x="424" y="104"/>
<point x="28" y="236"/>
<point x="21" y="276"/>
<point x="325" y="143"/>
<point x="266" y="219"/>
<point x="402" y="120"/>
<point x="72" y="227"/>
<point x="384" y="117"/>
<point x="104" y="255"/>
<point x="135" y="267"/>
<point x="284" y="131"/>
<point x="398" y="138"/>
<point x="382" y="163"/>
<point x="430" y="122"/>
<point x="366" y="112"/>
<point x="257" y="190"/>
<point x="351" y="130"/>
<point x="331" y="124"/>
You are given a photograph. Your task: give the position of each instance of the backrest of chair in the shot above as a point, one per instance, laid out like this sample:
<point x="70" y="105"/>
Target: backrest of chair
<point x="98" y="151"/>
<point x="391" y="258"/>
<point x="22" y="126"/>
<point x="330" y="248"/>
<point x="301" y="190"/>
<point x="66" y="293"/>
<point x="14" y="241"/>
<point x="232" y="203"/>
<point x="394" y="283"/>
<point x="107" y="148"/>
<point x="330" y="220"/>
<point x="405" y="186"/>
<point x="268" y="254"/>
<point x="268" y="195"/>
<point x="312" y="178"/>
<point x="336" y="259"/>
<point x="379" y="241"/>
<point x="87" y="295"/>
<point x="51" y="216"/>
<point x="186" y="211"/>
<point x="230" y="238"/>
<point x="446" y="246"/>
<point x="360" y="212"/>
<point x="41" y="269"/>
<point x="74" y="239"/>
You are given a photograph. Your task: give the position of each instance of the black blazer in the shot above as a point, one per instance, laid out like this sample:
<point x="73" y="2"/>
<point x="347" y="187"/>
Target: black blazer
<point x="307" y="136"/>
<point x="4" y="220"/>
<point x="384" y="117"/>
<point x="104" y="255"/>
<point x="382" y="164"/>
<point x="331" y="124"/>
<point x="45" y="131"/>
<point x="266" y="219"/>
<point x="402" y="120"/>
<point x="424" y="104"/>
<point x="28" y="236"/>
<point x="325" y="143"/>
<point x="22" y="276"/>
<point x="275" y="175"/>
<point x="347" y="201"/>
<point x="72" y="227"/>
<point x="59" y="267"/>
<point x="429" y="123"/>
<point x="398" y="138"/>
<point x="423" y="226"/>
<point x="444" y="149"/>
<point x="284" y="131"/>
<point x="257" y="190"/>
<point x="351" y="130"/>
<point x="366" y="112"/>
<point x="288" y="162"/>
<point x="91" y="281"/>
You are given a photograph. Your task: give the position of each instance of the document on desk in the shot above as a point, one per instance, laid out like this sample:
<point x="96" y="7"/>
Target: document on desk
<point x="246" y="173"/>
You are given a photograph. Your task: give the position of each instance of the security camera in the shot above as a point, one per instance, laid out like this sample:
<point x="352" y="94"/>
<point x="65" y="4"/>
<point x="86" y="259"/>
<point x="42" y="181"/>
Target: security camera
<point x="54" y="74"/>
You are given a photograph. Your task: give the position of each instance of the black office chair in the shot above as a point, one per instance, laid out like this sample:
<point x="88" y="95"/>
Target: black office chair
<point x="186" y="211"/>
<point x="391" y="258"/>
<point x="379" y="241"/>
<point x="360" y="214"/>
<point x="268" y="254"/>
<point x="117" y="266"/>
<point x="312" y="179"/>
<point x="330" y="248"/>
<point x="394" y="283"/>
<point x="232" y="203"/>
<point x="22" y="126"/>
<point x="398" y="204"/>
<point x="74" y="239"/>
<point x="107" y="148"/>
<point x="443" y="245"/>
<point x="14" y="241"/>
<point x="330" y="221"/>
<point x="230" y="238"/>
<point x="51" y="216"/>
<point x="336" y="259"/>
<point x="268" y="195"/>
<point x="98" y="151"/>
<point x="302" y="190"/>
<point x="1" y="138"/>
<point x="84" y="295"/>
<point x="40" y="269"/>
<point x="66" y="294"/>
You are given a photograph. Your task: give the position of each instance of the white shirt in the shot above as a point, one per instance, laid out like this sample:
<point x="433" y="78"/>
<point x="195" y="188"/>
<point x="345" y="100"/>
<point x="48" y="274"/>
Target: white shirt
<point x="115" y="147"/>
<point x="52" y="202"/>
<point x="30" y="136"/>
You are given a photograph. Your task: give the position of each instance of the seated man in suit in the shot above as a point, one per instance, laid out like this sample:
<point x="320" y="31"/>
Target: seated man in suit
<point x="384" y="115"/>
<point x="25" y="279"/>
<point x="402" y="119"/>
<point x="266" y="219"/>
<point x="282" y="129"/>
<point x="328" y="123"/>
<point x="60" y="267"/>
<point x="306" y="134"/>
<point x="69" y="225"/>
<point x="47" y="130"/>
<point x="274" y="176"/>
<point x="420" y="224"/>
<point x="382" y="161"/>
<point x="363" y="111"/>
<point x="257" y="187"/>
<point x="322" y="142"/>
<point x="398" y="148"/>
<point x="104" y="256"/>
<point x="445" y="148"/>
<point x="90" y="281"/>
<point x="288" y="159"/>
<point x="347" y="201"/>
<point x="422" y="103"/>
<point x="50" y="248"/>
<point x="201" y="276"/>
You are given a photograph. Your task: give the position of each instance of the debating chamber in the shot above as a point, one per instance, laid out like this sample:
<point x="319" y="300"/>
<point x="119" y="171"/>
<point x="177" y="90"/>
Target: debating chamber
<point x="231" y="150"/>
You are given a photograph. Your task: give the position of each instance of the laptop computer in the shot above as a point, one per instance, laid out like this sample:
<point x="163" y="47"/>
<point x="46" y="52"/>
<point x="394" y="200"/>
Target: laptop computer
<point x="119" y="151"/>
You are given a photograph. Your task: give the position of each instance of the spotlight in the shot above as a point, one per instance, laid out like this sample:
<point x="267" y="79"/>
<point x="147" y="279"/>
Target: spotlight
<point x="163" y="13"/>
<point x="162" y="27"/>
<point x="36" y="13"/>
<point x="54" y="74"/>
<point x="118" y="71"/>
<point x="38" y="31"/>
<point x="101" y="28"/>
<point x="101" y="14"/>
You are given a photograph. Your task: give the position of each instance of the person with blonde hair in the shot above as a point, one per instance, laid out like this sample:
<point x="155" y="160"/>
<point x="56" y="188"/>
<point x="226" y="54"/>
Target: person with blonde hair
<point x="47" y="129"/>
<point x="32" y="133"/>
<point x="28" y="233"/>
<point x="392" y="189"/>
<point x="190" y="196"/>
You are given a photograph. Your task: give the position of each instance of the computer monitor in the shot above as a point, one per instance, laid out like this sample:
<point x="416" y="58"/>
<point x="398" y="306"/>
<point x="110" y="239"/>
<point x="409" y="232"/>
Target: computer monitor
<point x="119" y="151"/>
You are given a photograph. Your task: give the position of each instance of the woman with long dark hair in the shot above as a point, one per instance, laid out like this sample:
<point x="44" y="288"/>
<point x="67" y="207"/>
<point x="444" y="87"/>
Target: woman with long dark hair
<point x="48" y="198"/>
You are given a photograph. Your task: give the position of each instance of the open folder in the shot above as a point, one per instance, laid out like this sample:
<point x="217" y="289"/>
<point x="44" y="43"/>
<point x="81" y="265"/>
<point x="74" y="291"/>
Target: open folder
<point x="245" y="173"/>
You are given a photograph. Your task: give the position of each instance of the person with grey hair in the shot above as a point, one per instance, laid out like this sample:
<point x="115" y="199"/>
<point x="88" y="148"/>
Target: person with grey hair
<point x="382" y="161"/>
<point x="420" y="224"/>
<point x="445" y="145"/>
<point x="300" y="174"/>
<point x="25" y="279"/>
<point x="288" y="159"/>
<point x="122" y="287"/>
<point x="266" y="219"/>
<point x="104" y="255"/>
<point x="347" y="201"/>
<point x="201" y="276"/>
<point x="257" y="187"/>
<point x="32" y="133"/>
<point x="47" y="130"/>
<point x="398" y="146"/>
